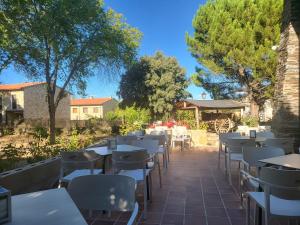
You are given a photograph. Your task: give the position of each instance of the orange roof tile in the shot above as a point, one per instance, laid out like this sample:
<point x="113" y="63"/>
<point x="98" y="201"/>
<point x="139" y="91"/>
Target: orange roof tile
<point x="89" y="101"/>
<point x="16" y="87"/>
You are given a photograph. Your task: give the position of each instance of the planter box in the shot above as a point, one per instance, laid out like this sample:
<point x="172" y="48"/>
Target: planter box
<point x="32" y="177"/>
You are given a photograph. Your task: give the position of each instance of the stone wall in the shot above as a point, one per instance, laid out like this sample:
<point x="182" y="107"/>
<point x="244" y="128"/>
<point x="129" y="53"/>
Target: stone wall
<point x="286" y="103"/>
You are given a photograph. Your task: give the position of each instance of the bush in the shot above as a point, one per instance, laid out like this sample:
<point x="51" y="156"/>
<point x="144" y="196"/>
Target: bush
<point x="130" y="118"/>
<point x="250" y="121"/>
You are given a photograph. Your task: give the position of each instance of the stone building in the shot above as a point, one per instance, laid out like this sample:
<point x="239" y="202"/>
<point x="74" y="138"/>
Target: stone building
<point x="28" y="102"/>
<point x="84" y="109"/>
<point x="287" y="102"/>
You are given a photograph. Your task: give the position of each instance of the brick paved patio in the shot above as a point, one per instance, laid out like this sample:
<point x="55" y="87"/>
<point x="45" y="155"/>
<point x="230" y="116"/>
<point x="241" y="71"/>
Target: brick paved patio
<point x="194" y="192"/>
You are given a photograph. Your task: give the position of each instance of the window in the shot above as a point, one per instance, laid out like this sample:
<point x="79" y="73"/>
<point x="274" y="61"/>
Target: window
<point x="75" y="110"/>
<point x="96" y="110"/>
<point x="13" y="102"/>
<point x="85" y="110"/>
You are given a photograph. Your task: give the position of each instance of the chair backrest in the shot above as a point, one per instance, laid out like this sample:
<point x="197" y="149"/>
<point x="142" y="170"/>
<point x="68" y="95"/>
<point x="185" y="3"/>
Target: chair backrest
<point x="287" y="144"/>
<point x="136" y="133"/>
<point x="284" y="178"/>
<point x="103" y="192"/>
<point x="252" y="155"/>
<point x="130" y="160"/>
<point x="161" y="138"/>
<point x="150" y="145"/>
<point x="223" y="136"/>
<point x="265" y="134"/>
<point x="126" y="140"/>
<point x="237" y="145"/>
<point x="77" y="159"/>
<point x="179" y="130"/>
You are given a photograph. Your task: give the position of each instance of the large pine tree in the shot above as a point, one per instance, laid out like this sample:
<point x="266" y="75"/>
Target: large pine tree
<point x="233" y="40"/>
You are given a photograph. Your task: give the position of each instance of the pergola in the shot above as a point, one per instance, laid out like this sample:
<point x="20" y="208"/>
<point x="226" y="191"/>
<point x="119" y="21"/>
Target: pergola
<point x="202" y="105"/>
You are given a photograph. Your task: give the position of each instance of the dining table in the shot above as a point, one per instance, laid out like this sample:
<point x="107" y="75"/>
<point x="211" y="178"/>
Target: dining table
<point x="104" y="151"/>
<point x="291" y="161"/>
<point x="49" y="207"/>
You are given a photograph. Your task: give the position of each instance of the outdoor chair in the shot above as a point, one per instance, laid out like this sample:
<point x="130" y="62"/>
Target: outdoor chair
<point x="234" y="152"/>
<point x="80" y="163"/>
<point x="163" y="148"/>
<point x="126" y="140"/>
<point x="136" y="133"/>
<point x="180" y="134"/>
<point x="152" y="147"/>
<point x="280" y="196"/>
<point x="287" y="144"/>
<point x="222" y="138"/>
<point x="250" y="165"/>
<point x="134" y="164"/>
<point x="109" y="193"/>
<point x="265" y="134"/>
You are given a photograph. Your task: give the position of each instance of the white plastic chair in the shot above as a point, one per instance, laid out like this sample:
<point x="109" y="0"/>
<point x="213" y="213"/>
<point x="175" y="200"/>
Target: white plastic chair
<point x="105" y="193"/>
<point x="180" y="134"/>
<point x="163" y="148"/>
<point x="250" y="165"/>
<point x="280" y="196"/>
<point x="152" y="147"/>
<point x="287" y="144"/>
<point x="79" y="163"/>
<point x="134" y="164"/>
<point x="126" y="140"/>
<point x="222" y="139"/>
<point x="234" y="152"/>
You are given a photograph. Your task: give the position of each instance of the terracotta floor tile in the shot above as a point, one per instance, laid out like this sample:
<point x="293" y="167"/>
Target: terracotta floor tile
<point x="172" y="219"/>
<point x="194" y="220"/>
<point x="216" y="212"/>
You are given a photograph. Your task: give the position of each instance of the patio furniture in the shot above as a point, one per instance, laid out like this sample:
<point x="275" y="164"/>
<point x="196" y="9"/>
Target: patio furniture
<point x="291" y="161"/>
<point x="152" y="147"/>
<point x="126" y="140"/>
<point x="134" y="164"/>
<point x="163" y="148"/>
<point x="280" y="196"/>
<point x="250" y="165"/>
<point x="234" y="152"/>
<point x="105" y="193"/>
<point x="287" y="144"/>
<point x="180" y="134"/>
<point x="265" y="134"/>
<point x="222" y="139"/>
<point x="76" y="164"/>
<point x="50" y="207"/>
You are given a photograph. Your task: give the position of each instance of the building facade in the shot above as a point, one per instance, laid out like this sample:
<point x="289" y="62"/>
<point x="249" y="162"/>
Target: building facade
<point x="28" y="102"/>
<point x="287" y="91"/>
<point x="84" y="109"/>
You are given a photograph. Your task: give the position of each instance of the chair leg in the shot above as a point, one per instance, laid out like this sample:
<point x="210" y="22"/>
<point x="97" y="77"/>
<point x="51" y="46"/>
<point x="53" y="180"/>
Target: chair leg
<point x="219" y="156"/>
<point x="145" y="199"/>
<point x="168" y="153"/>
<point x="229" y="171"/>
<point x="150" y="187"/>
<point x="159" y="171"/>
<point x="248" y="211"/>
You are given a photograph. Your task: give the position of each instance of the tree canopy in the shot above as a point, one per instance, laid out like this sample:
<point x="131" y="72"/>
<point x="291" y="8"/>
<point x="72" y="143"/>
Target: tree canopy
<point x="155" y="82"/>
<point x="233" y="42"/>
<point x="64" y="42"/>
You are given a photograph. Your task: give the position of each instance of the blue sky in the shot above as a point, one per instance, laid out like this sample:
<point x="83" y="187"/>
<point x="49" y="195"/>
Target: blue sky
<point x="163" y="24"/>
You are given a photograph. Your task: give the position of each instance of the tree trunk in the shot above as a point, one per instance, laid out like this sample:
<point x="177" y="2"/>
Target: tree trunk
<point x="52" y="109"/>
<point x="254" y="108"/>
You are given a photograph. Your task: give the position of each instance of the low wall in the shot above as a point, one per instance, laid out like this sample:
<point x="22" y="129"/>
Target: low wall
<point x="33" y="177"/>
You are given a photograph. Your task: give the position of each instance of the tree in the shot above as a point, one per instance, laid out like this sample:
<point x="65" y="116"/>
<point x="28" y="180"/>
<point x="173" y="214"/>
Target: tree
<point x="233" y="39"/>
<point x="155" y="82"/>
<point x="64" y="42"/>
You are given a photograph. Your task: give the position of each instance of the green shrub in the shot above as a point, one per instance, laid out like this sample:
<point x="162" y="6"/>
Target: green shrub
<point x="250" y="121"/>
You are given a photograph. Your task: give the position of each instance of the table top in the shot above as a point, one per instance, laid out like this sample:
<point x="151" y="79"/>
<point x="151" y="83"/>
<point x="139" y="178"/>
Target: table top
<point x="104" y="151"/>
<point x="50" y="207"/>
<point x="290" y="161"/>
<point x="257" y="139"/>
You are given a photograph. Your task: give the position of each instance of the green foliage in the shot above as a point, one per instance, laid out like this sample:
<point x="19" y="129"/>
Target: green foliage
<point x="155" y="82"/>
<point x="233" y="42"/>
<point x="187" y="117"/>
<point x="250" y="121"/>
<point x="64" y="42"/>
<point x="40" y="132"/>
<point x="131" y="118"/>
